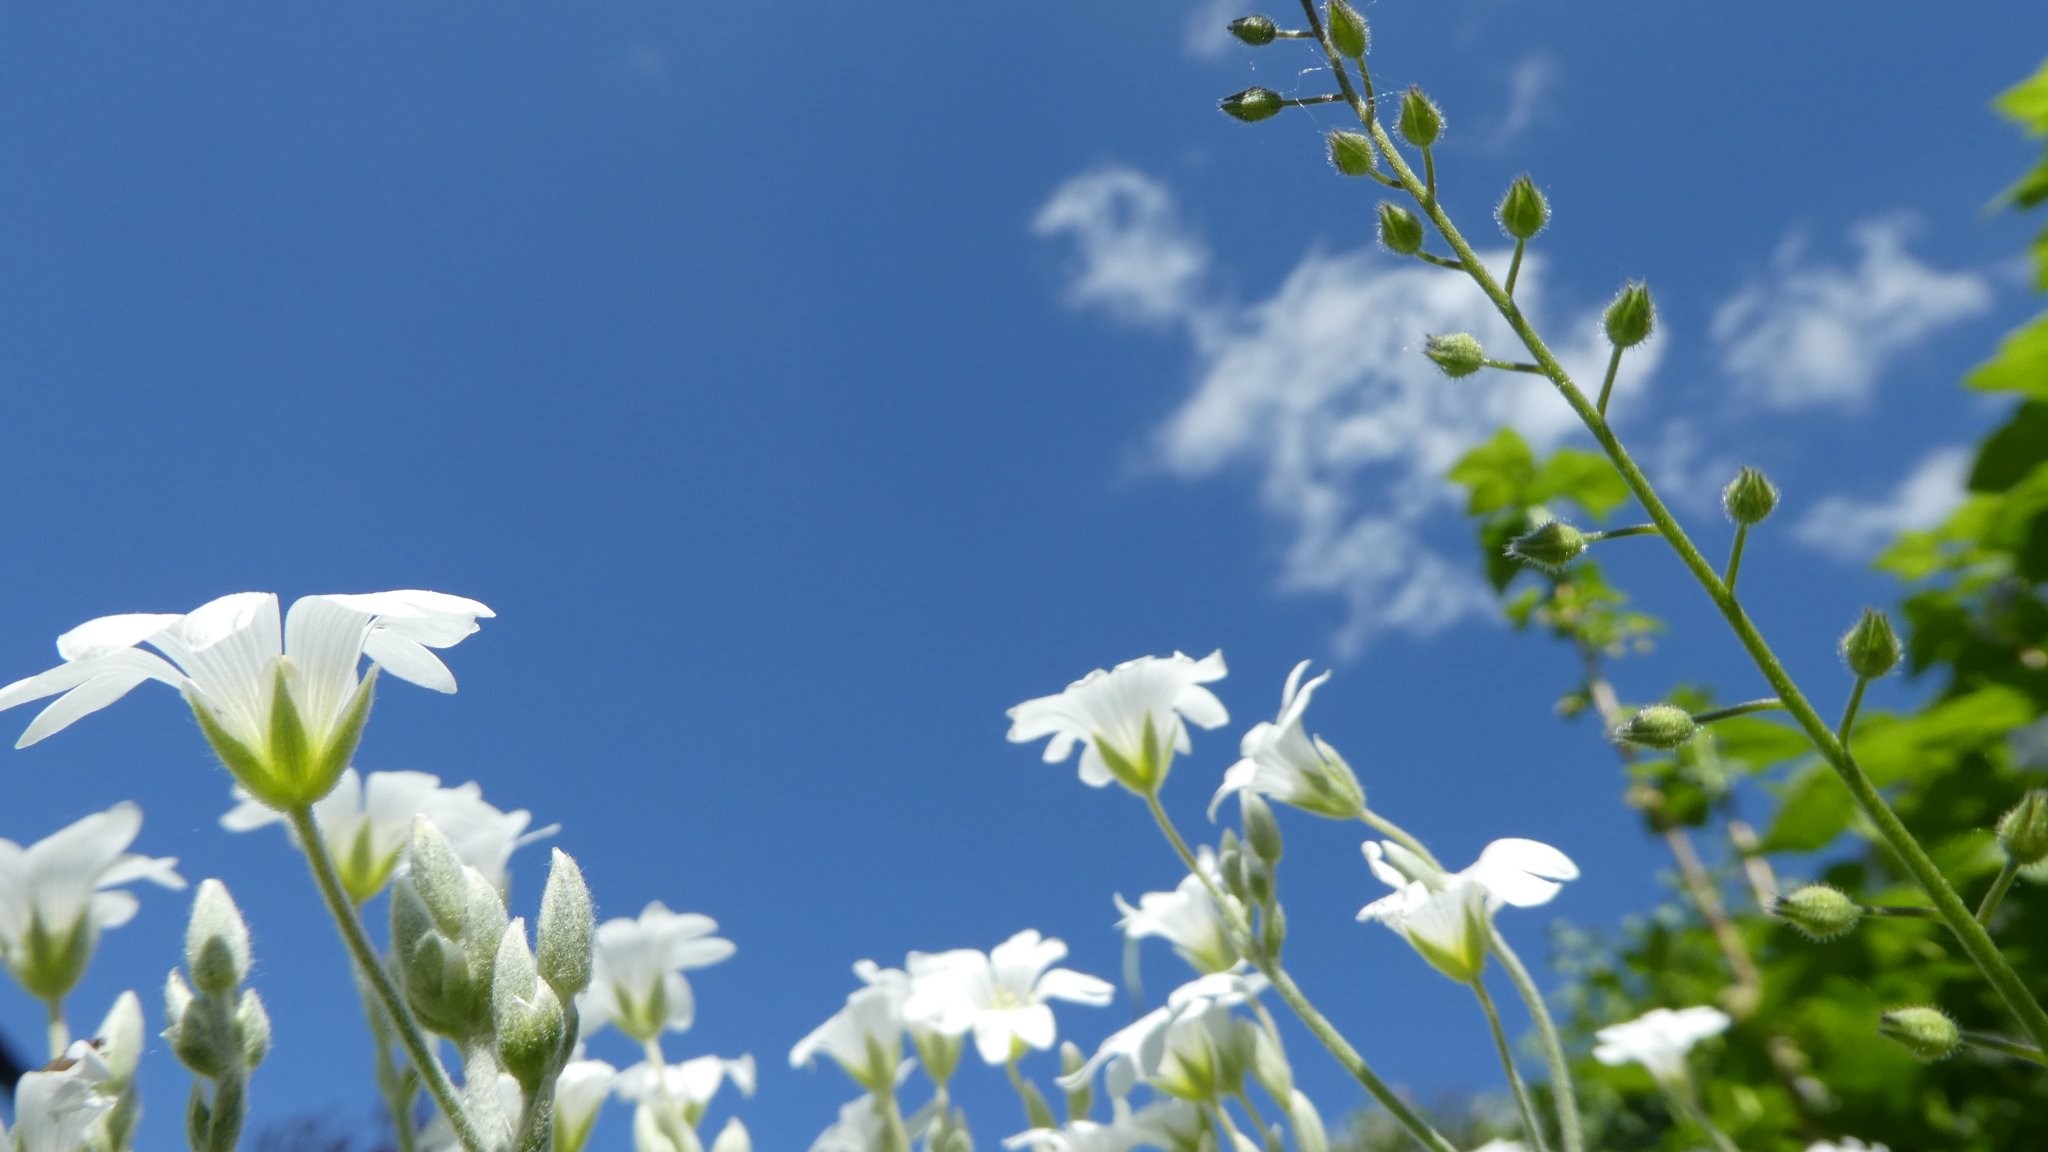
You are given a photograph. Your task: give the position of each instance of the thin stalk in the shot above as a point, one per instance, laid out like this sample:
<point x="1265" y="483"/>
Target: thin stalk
<point x="1621" y="533"/>
<point x="1531" y="1127"/>
<point x="1973" y="938"/>
<point x="410" y="1036"/>
<point x="1031" y="1103"/>
<point x="1515" y="265"/>
<point x="1607" y="385"/>
<point x="391" y="1085"/>
<point x="1514" y="366"/>
<point x="1237" y="1139"/>
<point x="1900" y="912"/>
<point x="2004" y="1047"/>
<point x="1429" y="167"/>
<point x="1999" y="888"/>
<point x="1251" y="1110"/>
<point x="895" y="1136"/>
<point x="1849" y="713"/>
<point x="1767" y="704"/>
<point x="1682" y="1099"/>
<point x="60" y="1032"/>
<point x="1305" y="101"/>
<point x="1318" y="1024"/>
<point x="1439" y="261"/>
<point x="1735" y="558"/>
<point x="671" y="1119"/>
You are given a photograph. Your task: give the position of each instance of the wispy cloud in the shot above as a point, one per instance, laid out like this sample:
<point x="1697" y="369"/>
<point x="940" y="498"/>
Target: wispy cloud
<point x="1809" y="333"/>
<point x="1532" y="84"/>
<point x="1322" y="393"/>
<point x="1852" y="529"/>
<point x="1207" y="33"/>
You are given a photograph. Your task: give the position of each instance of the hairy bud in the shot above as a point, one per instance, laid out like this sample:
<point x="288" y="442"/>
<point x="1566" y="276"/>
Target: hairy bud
<point x="1351" y="153"/>
<point x="1261" y="831"/>
<point x="1819" y="912"/>
<point x="1927" y="1032"/>
<point x="2023" y="832"/>
<point x="1660" y="726"/>
<point x="216" y="941"/>
<point x="568" y="924"/>
<point x="1254" y="104"/>
<point x="1348" y="33"/>
<point x="1523" y="211"/>
<point x="1631" y="317"/>
<point x="1458" y="354"/>
<point x="1400" y="230"/>
<point x="1256" y="31"/>
<point x="1750" y="497"/>
<point x="1549" y="546"/>
<point x="1421" y="121"/>
<point x="1871" y="647"/>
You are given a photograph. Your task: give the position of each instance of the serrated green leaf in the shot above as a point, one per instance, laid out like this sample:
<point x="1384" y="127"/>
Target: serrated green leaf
<point x="1496" y="473"/>
<point x="1585" y="478"/>
<point x="1814" y="809"/>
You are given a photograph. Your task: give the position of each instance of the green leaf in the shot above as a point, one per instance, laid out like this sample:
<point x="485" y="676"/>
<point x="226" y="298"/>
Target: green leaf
<point x="2021" y="364"/>
<point x="1497" y="473"/>
<point x="2027" y="102"/>
<point x="1816" y="808"/>
<point x="1587" y="479"/>
<point x="2014" y="451"/>
<point x="1758" y="742"/>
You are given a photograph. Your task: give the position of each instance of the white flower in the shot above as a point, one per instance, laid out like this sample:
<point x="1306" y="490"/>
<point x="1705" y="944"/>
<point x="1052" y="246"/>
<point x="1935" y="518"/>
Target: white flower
<point x="1143" y="1049"/>
<point x="439" y="1136"/>
<point x="55" y="898"/>
<point x="1126" y="1130"/>
<point x="229" y="657"/>
<point x="685" y="1089"/>
<point x="859" y="1128"/>
<point x="366" y="823"/>
<point x="55" y="1107"/>
<point x="1446" y="915"/>
<point x="1282" y="761"/>
<point x="1187" y="916"/>
<point x="636" y="975"/>
<point x="1001" y="995"/>
<point x="1502" y="1146"/>
<point x="733" y="1138"/>
<point x="1129" y="721"/>
<point x="1846" y="1144"/>
<point x="1659" y="1040"/>
<point x="580" y="1093"/>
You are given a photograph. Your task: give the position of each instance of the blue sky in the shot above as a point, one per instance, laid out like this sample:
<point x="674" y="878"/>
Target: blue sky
<point x="803" y="387"/>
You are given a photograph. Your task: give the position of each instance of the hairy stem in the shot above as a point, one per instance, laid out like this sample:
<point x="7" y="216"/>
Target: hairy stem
<point x="1735" y="557"/>
<point x="1999" y="888"/>
<point x="1531" y="1127"/>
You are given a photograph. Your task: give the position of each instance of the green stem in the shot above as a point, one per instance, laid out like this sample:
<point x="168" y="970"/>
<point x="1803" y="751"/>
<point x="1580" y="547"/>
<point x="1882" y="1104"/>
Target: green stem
<point x="391" y="1080"/>
<point x="1237" y="1139"/>
<point x="1898" y="912"/>
<point x="1975" y="941"/>
<point x="1514" y="366"/>
<point x="2004" y="1047"/>
<point x="60" y="1032"/>
<point x="1607" y="386"/>
<point x="1735" y="558"/>
<point x="1305" y="101"/>
<point x="1429" y="167"/>
<point x="1767" y="704"/>
<point x="1999" y="888"/>
<point x="1515" y="265"/>
<point x="1288" y="990"/>
<point x="1683" y="1099"/>
<point x="671" y="1119"/>
<point x="410" y="1036"/>
<point x="1037" y="1113"/>
<point x="1439" y="261"/>
<point x="1531" y="1127"/>
<point x="1849" y="713"/>
<point x="1621" y="533"/>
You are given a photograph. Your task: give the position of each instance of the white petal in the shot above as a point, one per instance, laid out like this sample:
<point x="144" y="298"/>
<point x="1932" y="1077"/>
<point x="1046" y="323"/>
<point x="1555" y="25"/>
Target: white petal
<point x="408" y="660"/>
<point x="325" y="642"/>
<point x="992" y="1037"/>
<point x="1034" y="1026"/>
<point x="113" y="909"/>
<point x="111" y="633"/>
<point x="103" y="689"/>
<point x="1078" y="987"/>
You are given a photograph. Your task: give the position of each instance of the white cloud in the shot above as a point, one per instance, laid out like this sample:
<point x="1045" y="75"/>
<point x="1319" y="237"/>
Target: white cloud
<point x="1207" y="32"/>
<point x="1810" y="334"/>
<point x="1852" y="529"/>
<point x="1322" y="392"/>
<point x="1530" y="85"/>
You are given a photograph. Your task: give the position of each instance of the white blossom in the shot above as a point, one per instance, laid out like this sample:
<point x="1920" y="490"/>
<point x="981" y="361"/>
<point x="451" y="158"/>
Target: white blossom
<point x="1446" y="916"/>
<point x="1000" y="996"/>
<point x="1845" y="1144"/>
<point x="636" y="980"/>
<point x="1187" y="917"/>
<point x="1280" y="760"/>
<point x="55" y="1107"/>
<point x="58" y="893"/>
<point x="1129" y="721"/>
<point x="1659" y="1040"/>
<point x="580" y="1093"/>
<point x="682" y="1090"/>
<point x="1141" y="1050"/>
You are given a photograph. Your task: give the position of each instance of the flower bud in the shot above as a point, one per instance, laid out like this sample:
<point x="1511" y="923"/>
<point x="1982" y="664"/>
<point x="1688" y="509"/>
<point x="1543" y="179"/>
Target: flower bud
<point x="437" y="876"/>
<point x="1256" y="31"/>
<point x="1254" y="104"/>
<point x="1750" y="497"/>
<point x="1261" y="831"/>
<point x="1926" y="1032"/>
<point x="2023" y="832"/>
<point x="1819" y="912"/>
<point x="216" y="941"/>
<point x="1400" y="230"/>
<point x="733" y="1138"/>
<point x="1550" y="545"/>
<point x="1523" y="211"/>
<point x="120" y="1042"/>
<point x="483" y="925"/>
<point x="1871" y="647"/>
<point x="1421" y="122"/>
<point x="1272" y="930"/>
<point x="1458" y="354"/>
<point x="526" y="1014"/>
<point x="195" y="1030"/>
<point x="1348" y="34"/>
<point x="1351" y="153"/>
<point x="1080" y="1089"/>
<point x="1631" y="317"/>
<point x="1660" y="726"/>
<point x="567" y="926"/>
<point x="1309" y="1133"/>
<point x="252" y="1028"/>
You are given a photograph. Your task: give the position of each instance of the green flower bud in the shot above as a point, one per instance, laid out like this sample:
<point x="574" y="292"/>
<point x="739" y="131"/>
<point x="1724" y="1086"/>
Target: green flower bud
<point x="1523" y="211"/>
<point x="1549" y="546"/>
<point x="1258" y="877"/>
<point x="1256" y="31"/>
<point x="2023" y="832"/>
<point x="568" y="924"/>
<point x="1261" y="831"/>
<point x="1871" y="647"/>
<point x="1631" y="317"/>
<point x="1348" y="33"/>
<point x="483" y="925"/>
<point x="733" y="1138"/>
<point x="437" y="876"/>
<point x="1268" y="1063"/>
<point x="1926" y="1032"/>
<point x="1272" y="930"/>
<point x="527" y="1016"/>
<point x="1750" y="497"/>
<point x="50" y="961"/>
<point x="1819" y="912"/>
<point x="1660" y="726"/>
<point x="1400" y="230"/>
<point x="1230" y="865"/>
<point x="1351" y="153"/>
<point x="1309" y="1133"/>
<point x="252" y="1028"/>
<point x="1081" y="1096"/>
<point x="216" y="941"/>
<point x="1458" y="354"/>
<point x="1421" y="121"/>
<point x="120" y="1042"/>
<point x="196" y="1030"/>
<point x="1254" y="104"/>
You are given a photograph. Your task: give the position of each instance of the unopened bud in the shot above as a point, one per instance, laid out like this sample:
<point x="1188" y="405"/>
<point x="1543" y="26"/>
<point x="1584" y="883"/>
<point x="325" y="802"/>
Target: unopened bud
<point x="120" y="1040"/>
<point x="216" y="941"/>
<point x="252" y="1028"/>
<point x="2023" y="832"/>
<point x="1309" y="1133"/>
<point x="1660" y="726"/>
<point x="437" y="875"/>
<point x="1261" y="831"/>
<point x="1458" y="354"/>
<point x="1631" y="317"/>
<point x="1254" y="104"/>
<point x="1256" y="31"/>
<point x="1400" y="230"/>
<point x="525" y="1012"/>
<point x="1351" y="153"/>
<point x="1871" y="647"/>
<point x="1348" y="33"/>
<point x="733" y="1138"/>
<point x="1421" y="121"/>
<point x="1549" y="546"/>
<point x="568" y="923"/>
<point x="1819" y="912"/>
<point x="1080" y="1089"/>
<point x="1272" y="930"/>
<point x="1750" y="497"/>
<point x="1523" y="211"/>
<point x="1925" y="1031"/>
